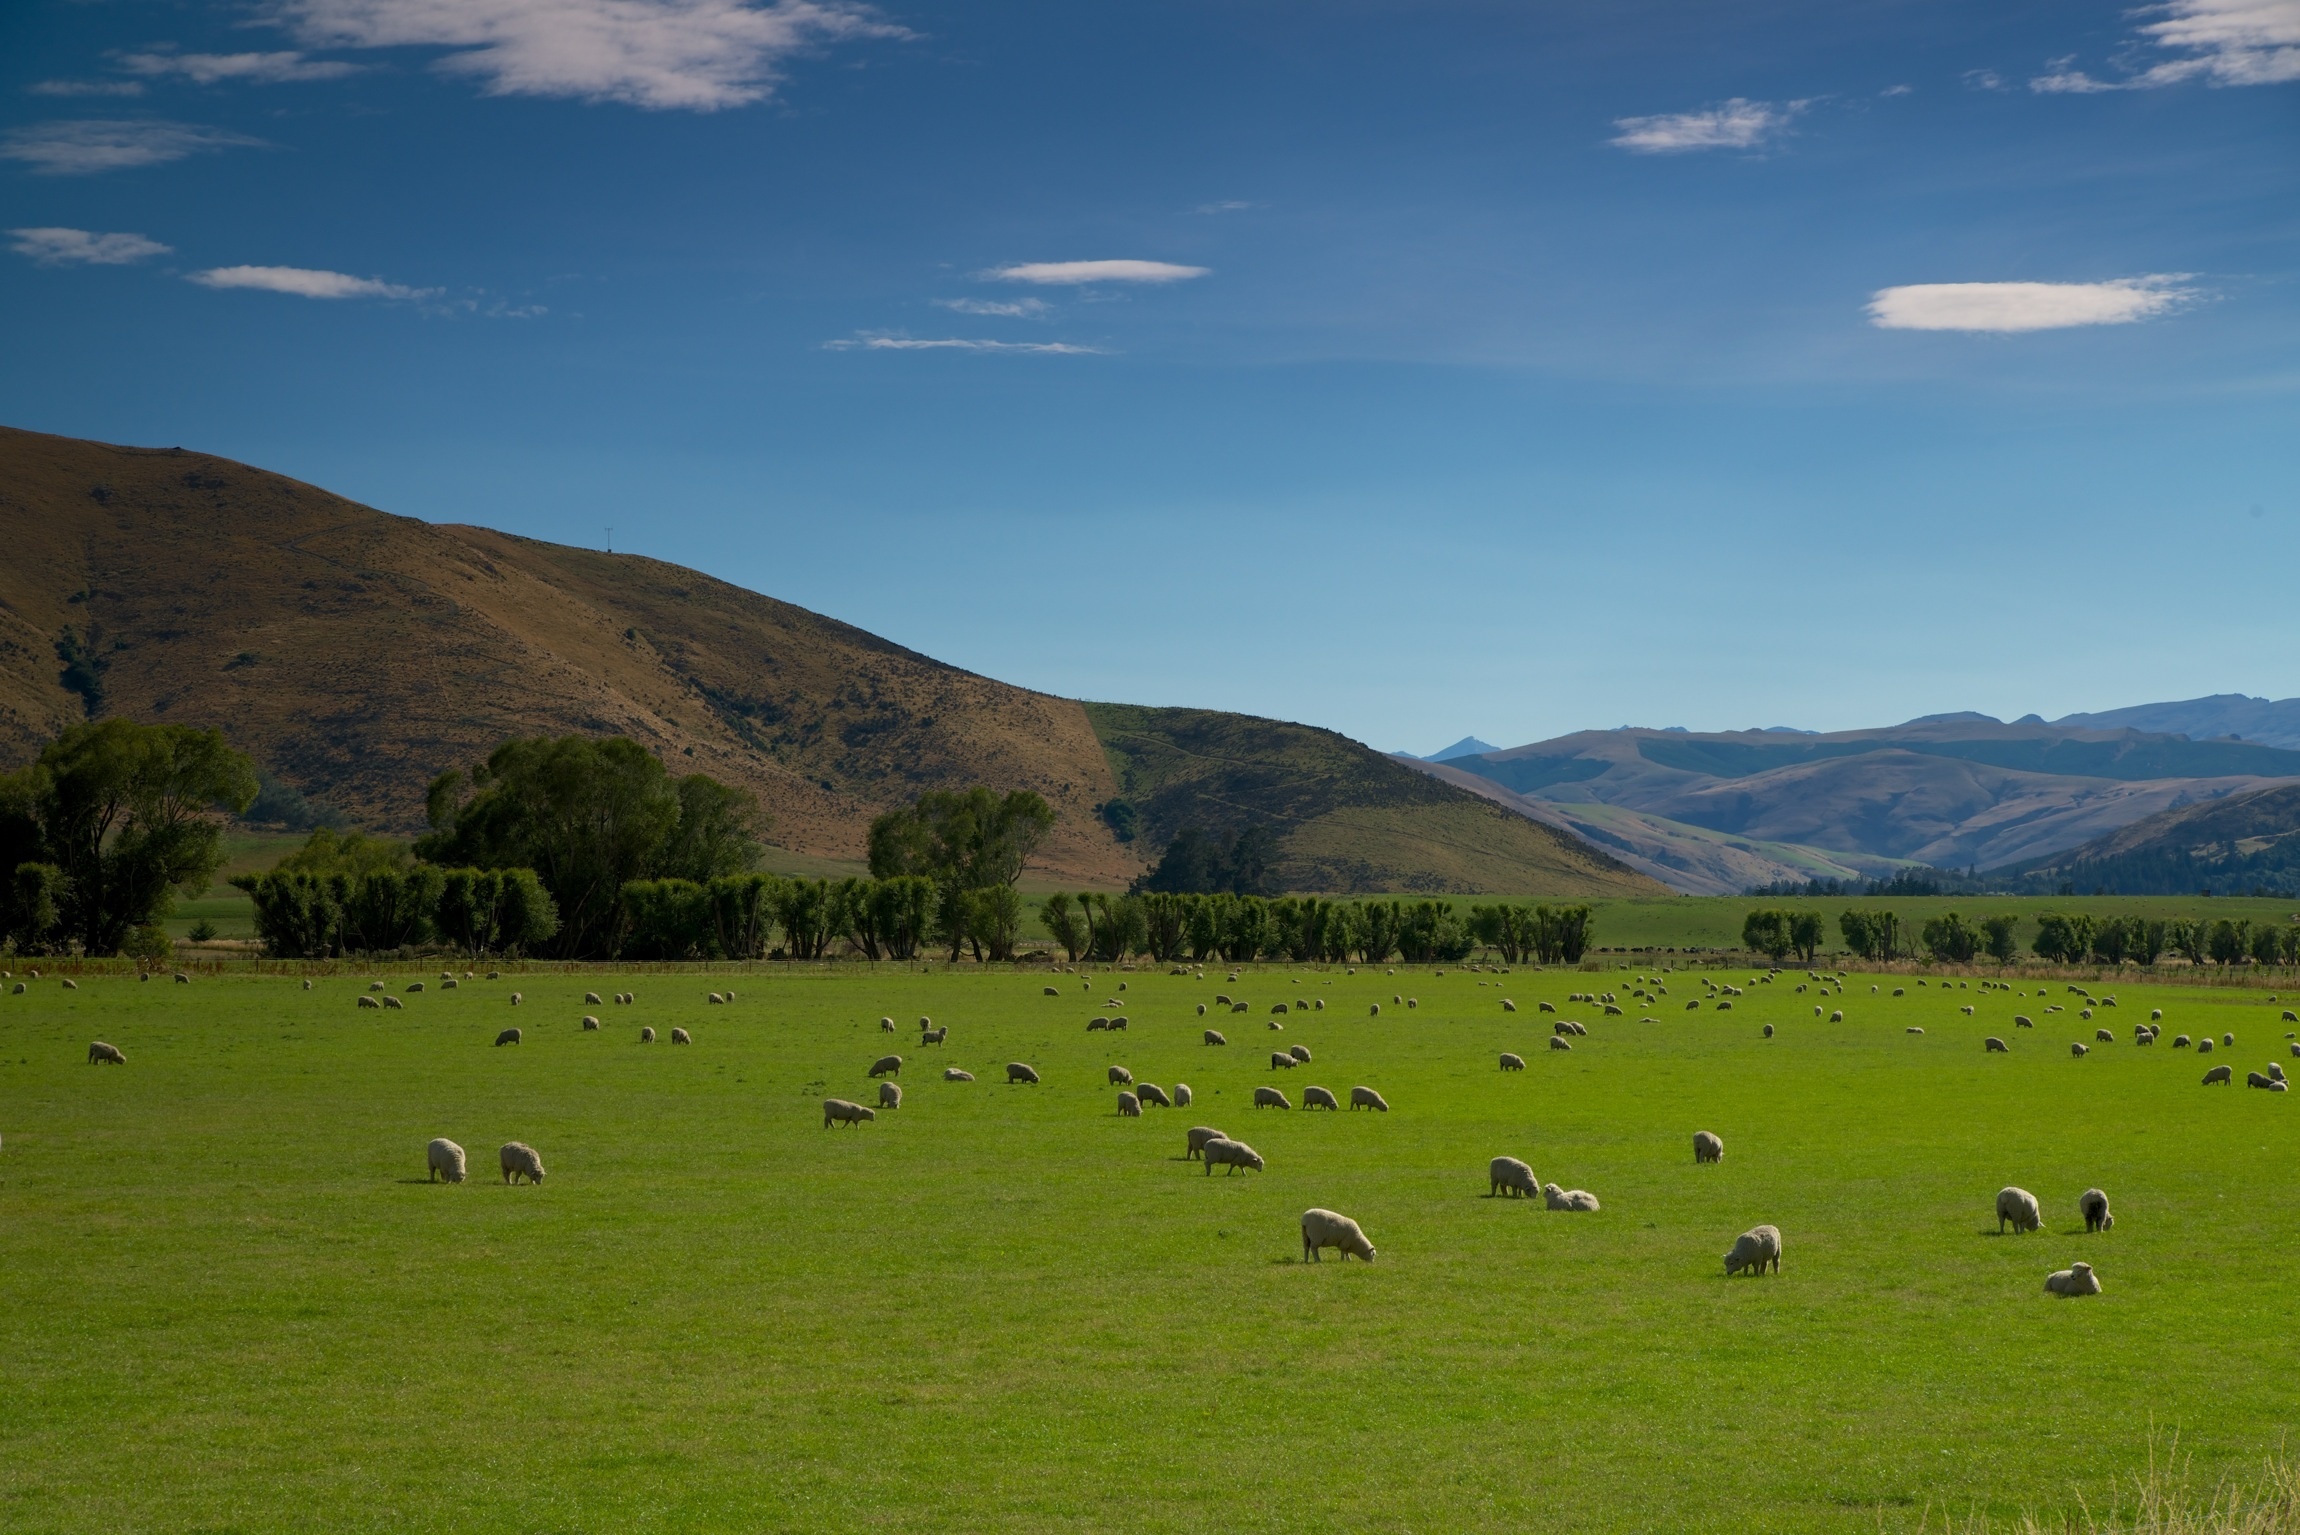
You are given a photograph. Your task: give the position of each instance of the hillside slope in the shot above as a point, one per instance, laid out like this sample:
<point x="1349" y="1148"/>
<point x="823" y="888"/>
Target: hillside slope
<point x="2242" y="843"/>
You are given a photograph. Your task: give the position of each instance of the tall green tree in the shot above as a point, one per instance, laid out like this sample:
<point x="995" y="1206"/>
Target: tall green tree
<point x="1950" y="939"/>
<point x="1806" y="931"/>
<point x="967" y="841"/>
<point x="1766" y="931"/>
<point x="1058" y="914"/>
<point x="2000" y="937"/>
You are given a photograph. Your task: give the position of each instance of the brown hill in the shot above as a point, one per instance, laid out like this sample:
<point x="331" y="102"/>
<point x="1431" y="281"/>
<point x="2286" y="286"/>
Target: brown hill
<point x="356" y="654"/>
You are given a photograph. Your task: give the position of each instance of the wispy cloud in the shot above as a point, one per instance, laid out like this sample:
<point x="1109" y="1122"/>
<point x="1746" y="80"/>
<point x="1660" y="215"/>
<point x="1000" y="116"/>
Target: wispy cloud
<point x="305" y="282"/>
<point x="86" y="88"/>
<point x="692" y="55"/>
<point x="1984" y="80"/>
<point x="2222" y="42"/>
<point x="882" y="343"/>
<point x="1014" y="309"/>
<point x="91" y="145"/>
<point x="1070" y="274"/>
<point x="1735" y="124"/>
<point x="2025" y="306"/>
<point x="67" y="247"/>
<point x="1232" y="205"/>
<point x="259" y="68"/>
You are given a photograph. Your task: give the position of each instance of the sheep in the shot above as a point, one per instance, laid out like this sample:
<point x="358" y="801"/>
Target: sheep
<point x="1318" y="1098"/>
<point x="2076" y="1279"/>
<point x="933" y="1036"/>
<point x="886" y="1025"/>
<point x="589" y="1023"/>
<point x="1372" y="1011"/>
<point x="2156" y="1015"/>
<point x="393" y="1004"/>
<point x="681" y="1037"/>
<point x="70" y="984"/>
<point x="1280" y="1008"/>
<point x="2104" y="1036"/>
<point x="1181" y="1095"/>
<point x="646" y="1036"/>
<point x="1224" y="1152"/>
<point x="1097" y="1025"/>
<point x="714" y="999"/>
<point x="1129" y="1106"/>
<point x="516" y="999"/>
<point x="1508" y="1006"/>
<point x="1152" y="1093"/>
<point x="1555" y="1043"/>
<point x="1367" y="1098"/>
<point x="2078" y="1047"/>
<point x="450" y="984"/>
<point x="1511" y="1062"/>
<point x="2219" y="1074"/>
<point x="1838" y="1016"/>
<point x="445" y="1160"/>
<point x="2258" y="1079"/>
<point x="100" y="1053"/>
<point x="1201" y="1009"/>
<point x="1277" y="1027"/>
<point x="1052" y="992"/>
<point x="1323" y="1228"/>
<point x="1567" y="1199"/>
<point x="1281" y="1061"/>
<point x="2023" y="1021"/>
<point x="953" y="1074"/>
<point x="591" y="999"/>
<point x="1215" y="1037"/>
<point x="2276" y="1071"/>
<point x="520" y="1162"/>
<point x="1545" y="1007"/>
<point x="1194" y="1141"/>
<point x="1576" y="1027"/>
<point x="886" y="1065"/>
<point x="367" y="1001"/>
<point x="1118" y="1023"/>
<point x="2019" y="1207"/>
<point x="838" y="1111"/>
<point x="2229" y="1040"/>
<point x="2180" y="1041"/>
<point x="1270" y="1098"/>
<point x="2093" y="1204"/>
<point x="1300" y="1053"/>
<point x="1237" y="1007"/>
<point x="1120" y="1076"/>
<point x="1509" y="1178"/>
<point x="1912" y="1029"/>
<point x="1707" y="1147"/>
<point x="306" y="984"/>
<point x="2204" y="1045"/>
<point x="508" y="1037"/>
<point x="183" y="979"/>
<point x="1753" y="1250"/>
<point x="1020" y="1071"/>
<point x="1768" y="1031"/>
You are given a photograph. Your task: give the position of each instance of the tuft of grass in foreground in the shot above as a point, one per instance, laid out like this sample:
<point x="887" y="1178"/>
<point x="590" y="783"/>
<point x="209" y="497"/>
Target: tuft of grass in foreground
<point x="2164" y="1502"/>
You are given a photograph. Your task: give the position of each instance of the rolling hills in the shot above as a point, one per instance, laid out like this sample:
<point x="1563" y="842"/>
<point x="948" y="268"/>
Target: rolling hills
<point x="2238" y="844"/>
<point x="355" y="654"/>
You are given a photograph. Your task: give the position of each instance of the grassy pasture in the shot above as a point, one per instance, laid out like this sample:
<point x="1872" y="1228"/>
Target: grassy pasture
<point x="228" y="1302"/>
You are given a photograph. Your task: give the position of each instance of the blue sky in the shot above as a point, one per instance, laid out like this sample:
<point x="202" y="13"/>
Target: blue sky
<point x="1412" y="369"/>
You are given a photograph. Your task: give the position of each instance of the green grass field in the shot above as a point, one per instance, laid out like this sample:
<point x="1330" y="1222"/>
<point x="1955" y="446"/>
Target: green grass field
<point x="228" y="1301"/>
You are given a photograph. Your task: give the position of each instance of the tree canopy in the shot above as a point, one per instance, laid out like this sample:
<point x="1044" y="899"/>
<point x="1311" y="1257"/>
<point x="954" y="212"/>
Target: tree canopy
<point x="976" y="840"/>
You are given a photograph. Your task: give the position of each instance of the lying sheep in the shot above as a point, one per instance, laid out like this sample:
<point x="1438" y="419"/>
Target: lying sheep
<point x="1367" y="1098"/>
<point x="1300" y="1053"/>
<point x="589" y="1023"/>
<point x="1912" y="1030"/>
<point x="838" y="1111"/>
<point x="1753" y="1250"/>
<point x="1567" y="1199"/>
<point x="1277" y="1027"/>
<point x="1181" y="1095"/>
<point x="646" y="1036"/>
<point x="1318" y="1098"/>
<point x="520" y="1163"/>
<point x="1194" y="1142"/>
<point x="508" y="1037"/>
<point x="2093" y="1205"/>
<point x="2076" y="1279"/>
<point x="886" y="1065"/>
<point x="2018" y="1207"/>
<point x="445" y="1160"/>
<point x="1323" y="1228"/>
<point x="100" y="1053"/>
<point x="1270" y="1098"/>
<point x="953" y="1074"/>
<point x="1993" y="1046"/>
<point x="1018" y="1071"/>
<point x="1707" y="1147"/>
<point x="2218" y="1074"/>
<point x="1214" y="1037"/>
<point x="1129" y="1106"/>
<point x="1511" y="1062"/>
<point x="1152" y="1093"/>
<point x="1224" y="1152"/>
<point x="1509" y="1178"/>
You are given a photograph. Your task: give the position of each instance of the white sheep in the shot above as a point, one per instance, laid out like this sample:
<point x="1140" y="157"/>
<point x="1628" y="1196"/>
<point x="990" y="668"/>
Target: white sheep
<point x="2105" y="1036"/>
<point x="1224" y="1152"/>
<point x="1194" y="1143"/>
<point x="1509" y="1178"/>
<point x="1019" y="1071"/>
<point x="367" y="1001"/>
<point x="393" y="1004"/>
<point x="886" y="1025"/>
<point x="953" y="1074"/>
<point x="508" y="1037"/>
<point x="646" y="1036"/>
<point x="1556" y="1043"/>
<point x="1151" y="1092"/>
<point x="70" y="984"/>
<point x="933" y="1036"/>
<point x="1994" y="1046"/>
<point x="2258" y="1079"/>
<point x="2094" y="1206"/>
<point x="1753" y="1250"/>
<point x="1300" y="1053"/>
<point x="838" y="1111"/>
<point x="1511" y="1062"/>
<point x="445" y="1159"/>
<point x="2018" y="1207"/>
<point x="1214" y="1037"/>
<point x="520" y="1161"/>
<point x="1181" y="1095"/>
<point x="1318" y="1098"/>
<point x="591" y="999"/>
<point x="1508" y="1006"/>
<point x="2076" y="1279"/>
<point x="1367" y="1098"/>
<point x="1567" y="1199"/>
<point x="1769" y="1027"/>
<point x="1129" y="1106"/>
<point x="1707" y="1147"/>
<point x="1323" y="1228"/>
<point x="1270" y="1098"/>
<point x="886" y="1065"/>
<point x="590" y="1022"/>
<point x="2079" y="1047"/>
<point x="2219" y="1074"/>
<point x="1120" y="1076"/>
<point x="100" y="1053"/>
<point x="1281" y="1061"/>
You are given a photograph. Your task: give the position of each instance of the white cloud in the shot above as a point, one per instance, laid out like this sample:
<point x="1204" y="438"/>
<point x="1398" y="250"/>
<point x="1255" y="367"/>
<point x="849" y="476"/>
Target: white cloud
<point x="1017" y="309"/>
<point x="86" y="88"/>
<point x="1897" y="90"/>
<point x="93" y="144"/>
<point x="1073" y="273"/>
<point x="62" y="247"/>
<point x="696" y="55"/>
<point x="1984" y="80"/>
<point x="1737" y="124"/>
<point x="2026" y="306"/>
<point x="262" y="68"/>
<point x="2224" y="42"/>
<point x="957" y="344"/>
<point x="1231" y="205"/>
<point x="305" y="282"/>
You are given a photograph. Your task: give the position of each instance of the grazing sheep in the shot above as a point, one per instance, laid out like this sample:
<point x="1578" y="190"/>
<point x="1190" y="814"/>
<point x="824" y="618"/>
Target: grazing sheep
<point x="681" y="1037"/>
<point x="2180" y="1041"/>
<point x="2219" y="1074"/>
<point x="1545" y="1007"/>
<point x="1367" y="1098"/>
<point x="183" y="979"/>
<point x="1993" y="1046"/>
<point x="838" y="1111"/>
<point x="2229" y="1040"/>
<point x="2104" y="1036"/>
<point x="368" y="1001"/>
<point x="1118" y="1023"/>
<point x="886" y="1065"/>
<point x="2093" y="1204"/>
<point x="100" y="1053"/>
<point x="2078" y="1047"/>
<point x="714" y="999"/>
<point x="306" y="985"/>
<point x="1151" y="1092"/>
<point x="2276" y="1071"/>
<point x="1237" y="1007"/>
<point x="1194" y="1142"/>
<point x="933" y="1036"/>
<point x="1052" y="992"/>
<point x="589" y="1023"/>
<point x="1120" y="1076"/>
<point x="886" y="1025"/>
<point x="1323" y="1228"/>
<point x="1018" y="1071"/>
<point x="1511" y="1062"/>
<point x="1707" y="1147"/>
<point x="1280" y="1061"/>
<point x="889" y="1096"/>
<point x="2019" y="1207"/>
<point x="1300" y="1053"/>
<point x="1214" y="1037"/>
<point x="2291" y="1016"/>
<point x="70" y="984"/>
<point x="1318" y="1098"/>
<point x="953" y="1074"/>
<point x="2204" y="1045"/>
<point x="646" y="1036"/>
<point x="591" y="998"/>
<point x="1372" y="1011"/>
<point x="1281" y="1007"/>
<point x="508" y="1037"/>
<point x="1912" y="1029"/>
<point x="1753" y="1250"/>
<point x="2023" y="1021"/>
<point x="1769" y="1028"/>
<point x="1097" y="1025"/>
<point x="520" y="1163"/>
<point x="1270" y="1098"/>
<point x="1508" y="1006"/>
<point x="1509" y="1178"/>
<point x="515" y="999"/>
<point x="2258" y="1079"/>
<point x="1567" y="1199"/>
<point x="445" y="1160"/>
<point x="1181" y="1095"/>
<point x="1837" y="1016"/>
<point x="1224" y="1152"/>
<point x="1129" y="1106"/>
<point x="2156" y="1015"/>
<point x="1556" y="1043"/>
<point x="2076" y="1279"/>
<point x="1201" y="1009"/>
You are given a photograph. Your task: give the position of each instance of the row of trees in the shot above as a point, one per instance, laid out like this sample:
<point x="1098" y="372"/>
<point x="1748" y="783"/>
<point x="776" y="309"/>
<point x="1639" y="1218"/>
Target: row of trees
<point x="2061" y="937"/>
<point x="1168" y="925"/>
<point x="1548" y="935"/>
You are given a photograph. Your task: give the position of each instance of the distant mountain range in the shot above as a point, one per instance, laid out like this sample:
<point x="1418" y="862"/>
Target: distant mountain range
<point x="2241" y="843"/>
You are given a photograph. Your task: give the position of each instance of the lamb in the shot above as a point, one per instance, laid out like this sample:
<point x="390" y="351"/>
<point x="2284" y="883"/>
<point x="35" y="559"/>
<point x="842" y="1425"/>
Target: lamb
<point x="886" y="1065"/>
<point x="1511" y="1062"/>
<point x="2019" y="1207"/>
<point x="520" y="1162"/>
<point x="646" y="1036"/>
<point x="1129" y="1106"/>
<point x="1281" y="1061"/>
<point x="1214" y="1037"/>
<point x="1323" y="1228"/>
<point x="1181" y="1095"/>
<point x="1270" y="1098"/>
<point x="953" y="1074"/>
<point x="1019" y="1071"/>
<point x="1556" y="1043"/>
<point x="2076" y="1279"/>
<point x="589" y="1023"/>
<point x="445" y="1160"/>
<point x="1367" y="1098"/>
<point x="1707" y="1147"/>
<point x="1224" y="1152"/>
<point x="2094" y="1206"/>
<point x="1194" y="1142"/>
<point x="1151" y="1092"/>
<point x="837" y="1111"/>
<point x="1567" y="1199"/>
<point x="1318" y="1098"/>
<point x="508" y="1037"/>
<point x="1300" y="1053"/>
<point x="100" y="1053"/>
<point x="1510" y="1179"/>
<point x="1753" y="1249"/>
